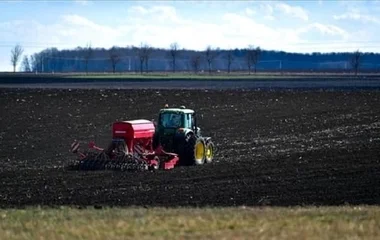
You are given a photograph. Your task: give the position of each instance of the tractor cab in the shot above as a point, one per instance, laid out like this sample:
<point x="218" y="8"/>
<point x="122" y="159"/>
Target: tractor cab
<point x="171" y="120"/>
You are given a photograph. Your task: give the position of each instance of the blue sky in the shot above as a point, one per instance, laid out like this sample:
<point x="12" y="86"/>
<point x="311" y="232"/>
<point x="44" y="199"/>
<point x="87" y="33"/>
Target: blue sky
<point x="297" y="26"/>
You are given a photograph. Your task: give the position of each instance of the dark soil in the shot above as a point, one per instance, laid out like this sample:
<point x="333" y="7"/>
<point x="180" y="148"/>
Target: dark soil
<point x="278" y="148"/>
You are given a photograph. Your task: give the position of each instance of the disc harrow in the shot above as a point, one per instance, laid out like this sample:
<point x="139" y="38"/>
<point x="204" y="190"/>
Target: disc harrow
<point x="130" y="150"/>
<point x="101" y="161"/>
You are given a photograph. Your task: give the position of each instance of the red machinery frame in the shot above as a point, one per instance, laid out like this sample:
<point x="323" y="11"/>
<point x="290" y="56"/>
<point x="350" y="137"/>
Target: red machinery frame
<point x="138" y="137"/>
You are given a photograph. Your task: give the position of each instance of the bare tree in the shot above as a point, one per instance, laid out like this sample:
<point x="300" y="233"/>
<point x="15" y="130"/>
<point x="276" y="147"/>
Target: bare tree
<point x="87" y="56"/>
<point x="114" y="57"/>
<point x="41" y="62"/>
<point x="16" y="53"/>
<point x="230" y="59"/>
<point x="53" y="55"/>
<point x="140" y="56"/>
<point x="355" y="61"/>
<point x="210" y="56"/>
<point x="33" y="63"/>
<point x="25" y="65"/>
<point x="143" y="54"/>
<point x="256" y="56"/>
<point x="252" y="57"/>
<point x="195" y="61"/>
<point x="249" y="58"/>
<point x="173" y="53"/>
<point x="147" y="52"/>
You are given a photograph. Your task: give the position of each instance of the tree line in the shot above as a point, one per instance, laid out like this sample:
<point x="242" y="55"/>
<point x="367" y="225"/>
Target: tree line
<point x="145" y="58"/>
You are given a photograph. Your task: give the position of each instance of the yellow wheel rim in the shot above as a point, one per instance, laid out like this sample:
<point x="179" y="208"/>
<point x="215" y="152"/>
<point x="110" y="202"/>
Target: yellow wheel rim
<point x="199" y="151"/>
<point x="209" y="153"/>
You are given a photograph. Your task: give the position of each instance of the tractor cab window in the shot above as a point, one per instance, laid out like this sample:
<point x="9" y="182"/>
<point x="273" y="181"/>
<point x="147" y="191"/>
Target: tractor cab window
<point x="189" y="120"/>
<point x="171" y="120"/>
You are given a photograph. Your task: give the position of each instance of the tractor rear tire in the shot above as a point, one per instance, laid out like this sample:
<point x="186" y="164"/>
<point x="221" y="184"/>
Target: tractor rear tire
<point x="194" y="151"/>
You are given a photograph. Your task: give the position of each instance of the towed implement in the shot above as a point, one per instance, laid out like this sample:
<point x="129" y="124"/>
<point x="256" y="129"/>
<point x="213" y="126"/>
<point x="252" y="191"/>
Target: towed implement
<point x="144" y="145"/>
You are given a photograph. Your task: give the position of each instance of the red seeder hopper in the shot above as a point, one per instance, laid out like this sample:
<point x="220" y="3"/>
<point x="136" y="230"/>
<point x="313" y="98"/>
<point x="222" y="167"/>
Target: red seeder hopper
<point x="131" y="148"/>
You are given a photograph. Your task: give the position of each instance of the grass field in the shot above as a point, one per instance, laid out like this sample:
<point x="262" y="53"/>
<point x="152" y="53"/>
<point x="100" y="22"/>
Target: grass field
<point x="184" y="223"/>
<point x="181" y="76"/>
<point x="189" y="75"/>
<point x="231" y="75"/>
<point x="12" y="78"/>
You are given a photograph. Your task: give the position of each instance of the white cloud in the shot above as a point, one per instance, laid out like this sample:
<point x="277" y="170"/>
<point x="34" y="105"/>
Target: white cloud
<point x="230" y="30"/>
<point x="357" y="16"/>
<point x="295" y="11"/>
<point x="78" y="20"/>
<point x="83" y="2"/>
<point x="161" y="25"/>
<point x="266" y="10"/>
<point x="79" y="30"/>
<point x="269" y="17"/>
<point x="162" y="14"/>
<point x="250" y="11"/>
<point x="328" y="29"/>
<point x="137" y="10"/>
<point x="270" y="9"/>
<point x="247" y="31"/>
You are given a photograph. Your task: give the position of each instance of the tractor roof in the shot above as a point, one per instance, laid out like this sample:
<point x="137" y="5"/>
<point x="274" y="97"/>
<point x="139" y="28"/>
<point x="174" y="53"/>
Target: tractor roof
<point x="183" y="110"/>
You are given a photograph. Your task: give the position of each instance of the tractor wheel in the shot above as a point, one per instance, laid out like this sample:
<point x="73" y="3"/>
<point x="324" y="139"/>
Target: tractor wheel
<point x="195" y="149"/>
<point x="209" y="151"/>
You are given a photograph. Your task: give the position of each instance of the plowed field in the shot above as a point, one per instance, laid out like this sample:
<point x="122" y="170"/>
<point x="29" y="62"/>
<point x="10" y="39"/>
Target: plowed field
<point x="273" y="148"/>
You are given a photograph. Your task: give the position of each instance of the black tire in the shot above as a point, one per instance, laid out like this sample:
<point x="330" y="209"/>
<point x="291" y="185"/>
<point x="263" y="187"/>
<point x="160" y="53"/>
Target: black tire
<point x="190" y="153"/>
<point x="209" y="147"/>
<point x="179" y="145"/>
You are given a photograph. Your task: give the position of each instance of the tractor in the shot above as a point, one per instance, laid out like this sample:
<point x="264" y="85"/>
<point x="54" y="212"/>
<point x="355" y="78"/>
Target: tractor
<point x="175" y="139"/>
<point x="177" y="131"/>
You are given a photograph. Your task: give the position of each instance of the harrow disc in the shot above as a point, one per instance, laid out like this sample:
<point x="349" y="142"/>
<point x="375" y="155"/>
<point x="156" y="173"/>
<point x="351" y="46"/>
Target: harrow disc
<point x="116" y="158"/>
<point x="102" y="161"/>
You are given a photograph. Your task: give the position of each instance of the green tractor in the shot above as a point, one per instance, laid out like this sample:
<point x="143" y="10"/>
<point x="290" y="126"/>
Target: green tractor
<point x="177" y="132"/>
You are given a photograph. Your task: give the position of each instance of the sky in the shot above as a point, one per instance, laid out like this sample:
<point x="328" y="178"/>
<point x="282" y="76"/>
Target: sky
<point x="295" y="26"/>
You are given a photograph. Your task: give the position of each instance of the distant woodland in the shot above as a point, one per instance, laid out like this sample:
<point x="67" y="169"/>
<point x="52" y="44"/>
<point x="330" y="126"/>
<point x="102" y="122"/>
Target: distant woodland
<point x="144" y="59"/>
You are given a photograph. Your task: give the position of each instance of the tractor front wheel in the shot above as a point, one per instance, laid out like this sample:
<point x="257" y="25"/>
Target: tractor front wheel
<point x="209" y="155"/>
